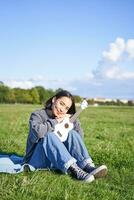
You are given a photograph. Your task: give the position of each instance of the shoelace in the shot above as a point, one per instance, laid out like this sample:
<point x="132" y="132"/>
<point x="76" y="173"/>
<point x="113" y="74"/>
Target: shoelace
<point x="81" y="173"/>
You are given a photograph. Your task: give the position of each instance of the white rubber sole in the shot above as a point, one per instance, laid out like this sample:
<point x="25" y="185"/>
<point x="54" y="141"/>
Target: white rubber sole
<point x="90" y="179"/>
<point x="100" y="172"/>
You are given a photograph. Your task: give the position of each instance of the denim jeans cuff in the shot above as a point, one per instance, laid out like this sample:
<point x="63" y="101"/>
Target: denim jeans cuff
<point x="68" y="164"/>
<point x="87" y="161"/>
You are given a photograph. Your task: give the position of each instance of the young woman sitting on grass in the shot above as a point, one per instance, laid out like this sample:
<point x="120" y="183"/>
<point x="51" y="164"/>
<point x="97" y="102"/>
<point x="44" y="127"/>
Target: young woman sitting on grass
<point x="45" y="149"/>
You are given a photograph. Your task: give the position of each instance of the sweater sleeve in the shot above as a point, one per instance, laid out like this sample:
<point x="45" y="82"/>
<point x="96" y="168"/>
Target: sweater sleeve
<point x="40" y="123"/>
<point x="77" y="127"/>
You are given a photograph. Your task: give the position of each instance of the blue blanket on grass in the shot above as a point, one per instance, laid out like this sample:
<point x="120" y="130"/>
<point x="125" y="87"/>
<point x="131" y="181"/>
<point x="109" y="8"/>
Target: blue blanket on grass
<point x="12" y="164"/>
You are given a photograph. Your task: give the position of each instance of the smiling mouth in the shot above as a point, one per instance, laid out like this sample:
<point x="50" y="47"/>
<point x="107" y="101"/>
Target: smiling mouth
<point x="59" y="113"/>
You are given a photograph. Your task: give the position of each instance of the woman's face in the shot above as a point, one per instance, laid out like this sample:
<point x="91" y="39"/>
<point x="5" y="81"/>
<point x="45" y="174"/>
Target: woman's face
<point x="61" y="106"/>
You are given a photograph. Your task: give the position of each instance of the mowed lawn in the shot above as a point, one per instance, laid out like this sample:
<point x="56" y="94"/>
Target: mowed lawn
<point x="109" y="136"/>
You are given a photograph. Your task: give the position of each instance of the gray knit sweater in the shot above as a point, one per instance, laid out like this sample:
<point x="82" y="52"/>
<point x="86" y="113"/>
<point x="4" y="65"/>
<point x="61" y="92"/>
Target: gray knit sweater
<point x="41" y="122"/>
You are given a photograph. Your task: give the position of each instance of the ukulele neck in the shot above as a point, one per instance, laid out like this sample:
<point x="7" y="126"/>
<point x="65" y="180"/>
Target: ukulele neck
<point x="73" y="118"/>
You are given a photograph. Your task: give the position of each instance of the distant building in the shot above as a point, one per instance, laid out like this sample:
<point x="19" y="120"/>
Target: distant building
<point x="104" y="100"/>
<point x="123" y="100"/>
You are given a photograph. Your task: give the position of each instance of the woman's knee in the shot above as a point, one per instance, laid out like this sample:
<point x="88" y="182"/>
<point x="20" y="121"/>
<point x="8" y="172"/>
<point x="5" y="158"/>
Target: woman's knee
<point x="74" y="134"/>
<point x="50" y="136"/>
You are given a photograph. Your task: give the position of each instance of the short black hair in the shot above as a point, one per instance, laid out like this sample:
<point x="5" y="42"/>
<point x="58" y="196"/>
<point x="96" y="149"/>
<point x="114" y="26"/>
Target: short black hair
<point x="60" y="94"/>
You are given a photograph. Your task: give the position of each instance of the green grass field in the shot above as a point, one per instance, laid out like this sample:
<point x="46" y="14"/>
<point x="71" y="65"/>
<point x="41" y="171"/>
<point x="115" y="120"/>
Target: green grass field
<point x="109" y="136"/>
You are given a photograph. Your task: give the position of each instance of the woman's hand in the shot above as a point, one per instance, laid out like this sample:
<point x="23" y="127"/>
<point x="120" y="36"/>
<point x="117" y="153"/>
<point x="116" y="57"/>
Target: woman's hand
<point x="61" y="117"/>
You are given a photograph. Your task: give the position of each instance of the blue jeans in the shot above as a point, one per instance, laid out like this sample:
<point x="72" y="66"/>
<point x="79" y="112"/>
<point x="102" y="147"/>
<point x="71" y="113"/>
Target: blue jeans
<point x="51" y="153"/>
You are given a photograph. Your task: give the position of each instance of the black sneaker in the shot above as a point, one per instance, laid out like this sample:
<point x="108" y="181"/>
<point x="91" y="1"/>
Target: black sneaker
<point x="79" y="174"/>
<point x="97" y="172"/>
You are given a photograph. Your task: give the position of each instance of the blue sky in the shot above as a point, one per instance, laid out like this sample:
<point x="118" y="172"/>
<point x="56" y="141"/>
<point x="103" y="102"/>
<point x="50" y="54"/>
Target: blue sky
<point x="85" y="46"/>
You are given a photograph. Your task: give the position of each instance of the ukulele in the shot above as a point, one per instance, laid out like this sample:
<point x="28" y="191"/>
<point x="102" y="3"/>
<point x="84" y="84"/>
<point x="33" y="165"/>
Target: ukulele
<point x="62" y="129"/>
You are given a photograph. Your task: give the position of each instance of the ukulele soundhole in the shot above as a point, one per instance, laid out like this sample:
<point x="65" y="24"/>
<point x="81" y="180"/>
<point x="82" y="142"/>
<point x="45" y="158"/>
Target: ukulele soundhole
<point x="66" y="125"/>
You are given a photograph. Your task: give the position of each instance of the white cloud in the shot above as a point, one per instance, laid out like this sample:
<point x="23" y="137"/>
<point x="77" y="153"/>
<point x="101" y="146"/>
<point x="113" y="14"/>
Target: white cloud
<point x="116" y="73"/>
<point x="115" y="51"/>
<point x="112" y="73"/>
<point x="130" y="48"/>
<point x="115" y="62"/>
<point x="35" y="81"/>
<point x="20" y="84"/>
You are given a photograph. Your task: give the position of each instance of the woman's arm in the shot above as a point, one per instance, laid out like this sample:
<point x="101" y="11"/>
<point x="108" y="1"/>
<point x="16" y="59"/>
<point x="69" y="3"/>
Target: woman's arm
<point x="77" y="127"/>
<point x="40" y="123"/>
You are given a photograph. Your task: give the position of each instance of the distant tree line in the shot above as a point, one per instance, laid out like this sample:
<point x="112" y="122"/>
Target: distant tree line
<point x="35" y="95"/>
<point x="39" y="95"/>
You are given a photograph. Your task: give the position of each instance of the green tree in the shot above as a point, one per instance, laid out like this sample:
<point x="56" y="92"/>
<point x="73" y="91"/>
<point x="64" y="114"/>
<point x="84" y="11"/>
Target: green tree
<point x="22" y="96"/>
<point x="41" y="91"/>
<point x="35" y="96"/>
<point x="44" y="94"/>
<point x="11" y="98"/>
<point x="4" y="94"/>
<point x="77" y="98"/>
<point x="91" y="101"/>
